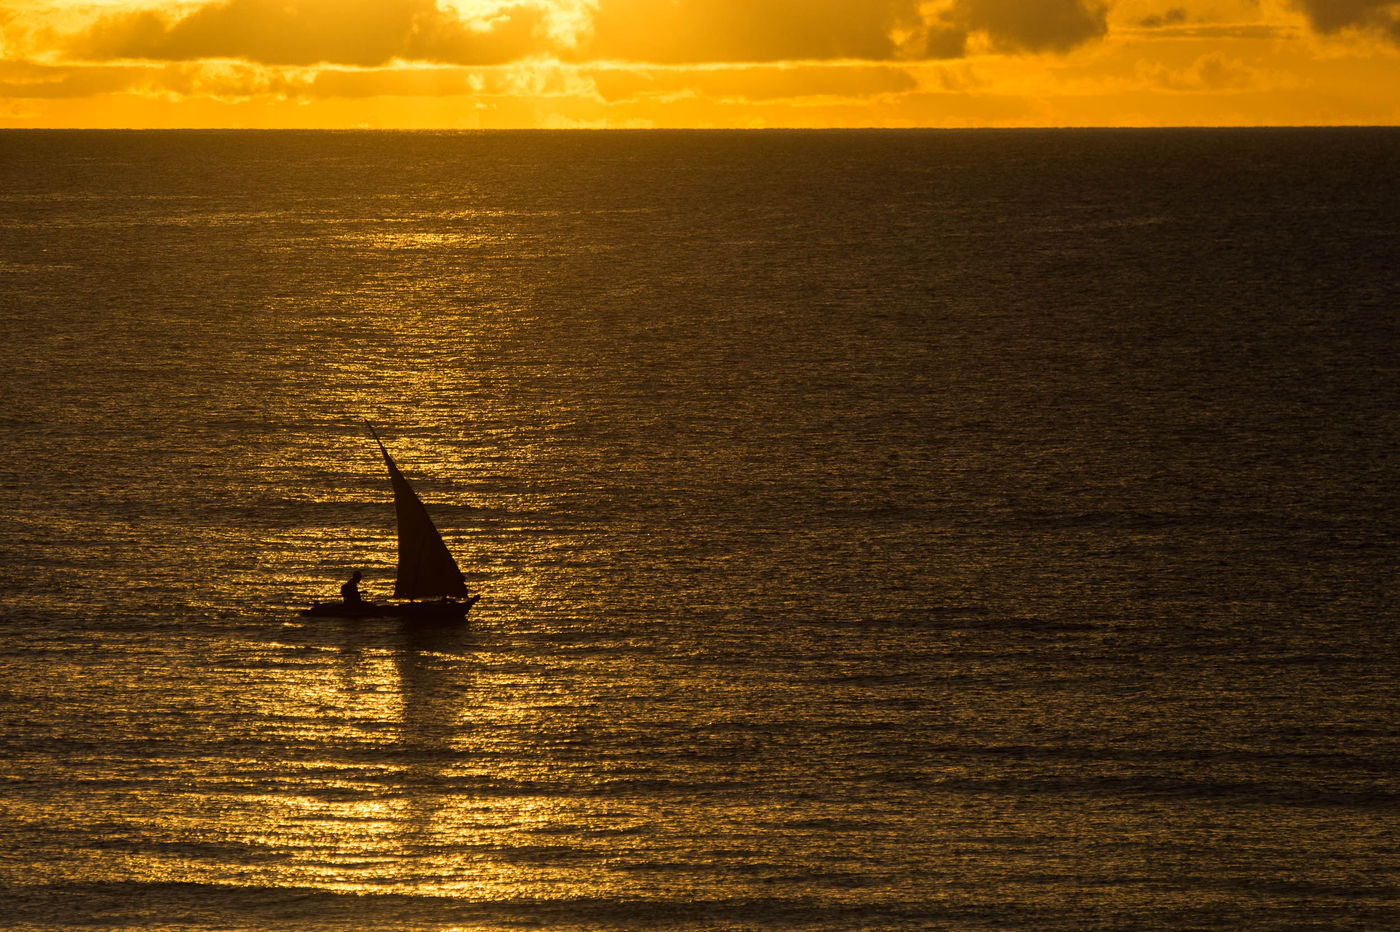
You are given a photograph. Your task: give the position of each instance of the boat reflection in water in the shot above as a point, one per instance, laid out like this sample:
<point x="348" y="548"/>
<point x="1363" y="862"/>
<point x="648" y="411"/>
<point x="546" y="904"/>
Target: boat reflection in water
<point x="426" y="567"/>
<point x="385" y="790"/>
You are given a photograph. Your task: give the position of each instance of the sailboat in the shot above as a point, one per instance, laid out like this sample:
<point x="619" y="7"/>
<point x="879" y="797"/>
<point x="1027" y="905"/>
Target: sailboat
<point x="426" y="567"/>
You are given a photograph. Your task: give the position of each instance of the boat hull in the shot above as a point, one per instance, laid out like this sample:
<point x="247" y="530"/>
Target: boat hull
<point x="408" y="611"/>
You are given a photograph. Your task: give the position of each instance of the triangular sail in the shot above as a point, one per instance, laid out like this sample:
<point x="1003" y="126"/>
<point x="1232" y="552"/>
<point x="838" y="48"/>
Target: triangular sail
<point x="426" y="567"/>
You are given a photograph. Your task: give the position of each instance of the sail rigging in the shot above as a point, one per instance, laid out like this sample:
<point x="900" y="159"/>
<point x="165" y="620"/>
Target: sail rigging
<point x="426" y="567"/>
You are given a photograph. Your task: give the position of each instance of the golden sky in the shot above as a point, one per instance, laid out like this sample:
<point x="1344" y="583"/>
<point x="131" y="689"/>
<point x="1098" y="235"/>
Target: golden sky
<point x="697" y="63"/>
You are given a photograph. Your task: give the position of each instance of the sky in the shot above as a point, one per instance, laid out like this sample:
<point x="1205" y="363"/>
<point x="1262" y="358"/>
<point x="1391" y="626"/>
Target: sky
<point x="463" y="64"/>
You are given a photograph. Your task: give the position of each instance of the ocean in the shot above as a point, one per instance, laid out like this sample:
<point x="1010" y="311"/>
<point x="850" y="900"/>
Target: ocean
<point x="875" y="530"/>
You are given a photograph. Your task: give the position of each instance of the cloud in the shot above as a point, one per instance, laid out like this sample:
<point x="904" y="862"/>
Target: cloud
<point x="1177" y="22"/>
<point x="752" y="83"/>
<point x="308" y="32"/>
<point x="1378" y="16"/>
<point x="1213" y="72"/>
<point x="1173" y="17"/>
<point x="373" y="33"/>
<point x="1032" y="25"/>
<point x="694" y="31"/>
<point x="223" y="80"/>
<point x="20" y="80"/>
<point x="395" y="82"/>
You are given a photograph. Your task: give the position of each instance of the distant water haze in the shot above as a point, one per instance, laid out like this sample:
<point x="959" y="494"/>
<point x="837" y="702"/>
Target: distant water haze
<point x="897" y="530"/>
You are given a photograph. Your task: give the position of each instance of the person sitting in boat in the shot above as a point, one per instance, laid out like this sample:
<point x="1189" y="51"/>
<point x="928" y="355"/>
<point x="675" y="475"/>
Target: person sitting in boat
<point x="350" y="592"/>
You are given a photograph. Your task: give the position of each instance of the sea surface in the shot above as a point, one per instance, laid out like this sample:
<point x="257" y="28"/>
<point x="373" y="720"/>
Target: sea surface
<point x="876" y="530"/>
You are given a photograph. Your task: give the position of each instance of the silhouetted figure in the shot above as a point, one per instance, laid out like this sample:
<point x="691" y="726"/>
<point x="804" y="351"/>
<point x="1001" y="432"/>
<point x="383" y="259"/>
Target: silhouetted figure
<point x="350" y="592"/>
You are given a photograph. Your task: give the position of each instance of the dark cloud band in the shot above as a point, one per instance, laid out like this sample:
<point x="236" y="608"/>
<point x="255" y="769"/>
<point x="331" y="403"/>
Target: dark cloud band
<point x="310" y="32"/>
<point x="376" y="32"/>
<point x="1379" y="16"/>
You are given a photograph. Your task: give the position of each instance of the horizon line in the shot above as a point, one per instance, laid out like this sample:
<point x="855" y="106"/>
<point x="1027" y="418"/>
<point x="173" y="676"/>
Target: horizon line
<point x="693" y="129"/>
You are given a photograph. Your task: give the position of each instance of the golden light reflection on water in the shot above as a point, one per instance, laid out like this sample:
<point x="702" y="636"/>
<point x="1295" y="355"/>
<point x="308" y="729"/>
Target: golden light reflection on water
<point x="386" y="742"/>
<point x="413" y="239"/>
<point x="456" y="817"/>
